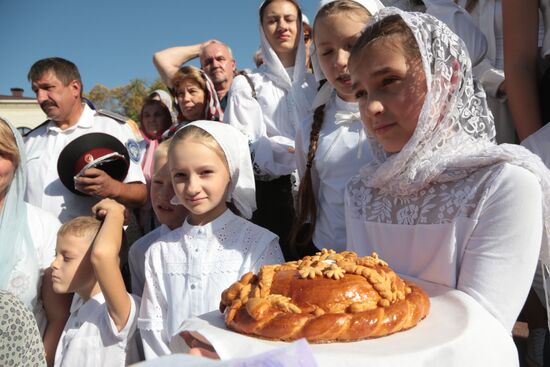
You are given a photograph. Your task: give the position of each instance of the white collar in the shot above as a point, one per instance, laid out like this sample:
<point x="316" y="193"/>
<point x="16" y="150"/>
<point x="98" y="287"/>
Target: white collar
<point x="85" y="121"/>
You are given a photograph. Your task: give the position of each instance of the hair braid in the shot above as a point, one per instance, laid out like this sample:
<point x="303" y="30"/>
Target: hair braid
<point x="301" y="233"/>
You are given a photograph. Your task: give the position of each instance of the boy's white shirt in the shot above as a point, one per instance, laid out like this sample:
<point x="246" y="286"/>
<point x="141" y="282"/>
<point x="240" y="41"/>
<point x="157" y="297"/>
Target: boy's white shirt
<point x="136" y="257"/>
<point x="90" y="337"/>
<point x="187" y="270"/>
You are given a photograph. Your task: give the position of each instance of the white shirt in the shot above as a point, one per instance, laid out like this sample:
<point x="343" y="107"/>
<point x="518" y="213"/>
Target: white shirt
<point x="43" y="146"/>
<point x="460" y="22"/>
<point x="480" y="234"/>
<point x="269" y="121"/>
<point x="342" y="149"/>
<point x="187" y="270"/>
<point x="24" y="282"/>
<point x="136" y="257"/>
<point x="90" y="337"/>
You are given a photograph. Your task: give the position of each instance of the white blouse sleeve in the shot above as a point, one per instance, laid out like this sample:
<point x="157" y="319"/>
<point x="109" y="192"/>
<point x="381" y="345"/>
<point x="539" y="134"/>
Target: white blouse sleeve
<point x="490" y="77"/>
<point x="153" y="312"/>
<point x="460" y="22"/>
<point x="271" y="253"/>
<point x="243" y="111"/>
<point x="501" y="255"/>
<point x="270" y="155"/>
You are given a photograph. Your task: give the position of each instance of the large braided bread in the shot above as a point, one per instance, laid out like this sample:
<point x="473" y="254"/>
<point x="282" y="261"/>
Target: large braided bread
<point x="324" y="298"/>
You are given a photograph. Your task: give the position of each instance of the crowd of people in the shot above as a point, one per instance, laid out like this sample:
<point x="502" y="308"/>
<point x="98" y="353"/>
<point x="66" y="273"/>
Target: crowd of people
<point x="372" y="129"/>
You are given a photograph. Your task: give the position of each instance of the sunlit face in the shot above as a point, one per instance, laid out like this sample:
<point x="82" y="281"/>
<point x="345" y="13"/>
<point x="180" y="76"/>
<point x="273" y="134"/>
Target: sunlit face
<point x="217" y="63"/>
<point x="191" y="99"/>
<point x="72" y="269"/>
<point x="390" y="88"/>
<point x="58" y="101"/>
<point x="334" y="36"/>
<point x="200" y="178"/>
<point x="162" y="192"/>
<point x="154" y="121"/>
<point x="281" y="24"/>
<point x="7" y="170"/>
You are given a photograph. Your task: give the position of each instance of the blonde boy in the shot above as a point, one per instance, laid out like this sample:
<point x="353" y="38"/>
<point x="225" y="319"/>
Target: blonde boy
<point x="101" y="330"/>
<point x="170" y="216"/>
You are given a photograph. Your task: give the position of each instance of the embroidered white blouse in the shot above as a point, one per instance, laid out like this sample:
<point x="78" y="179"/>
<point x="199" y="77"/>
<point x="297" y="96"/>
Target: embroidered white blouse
<point x="136" y="257"/>
<point x="342" y="149"/>
<point x="187" y="270"/>
<point x="91" y="338"/>
<point x="480" y="234"/>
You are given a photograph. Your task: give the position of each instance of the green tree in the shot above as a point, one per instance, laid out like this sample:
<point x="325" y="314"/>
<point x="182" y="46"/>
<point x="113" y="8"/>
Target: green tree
<point x="157" y="84"/>
<point x="102" y="97"/>
<point x="126" y="99"/>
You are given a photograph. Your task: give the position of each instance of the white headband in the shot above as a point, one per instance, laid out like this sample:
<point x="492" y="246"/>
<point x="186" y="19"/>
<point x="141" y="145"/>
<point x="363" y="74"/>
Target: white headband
<point x="242" y="189"/>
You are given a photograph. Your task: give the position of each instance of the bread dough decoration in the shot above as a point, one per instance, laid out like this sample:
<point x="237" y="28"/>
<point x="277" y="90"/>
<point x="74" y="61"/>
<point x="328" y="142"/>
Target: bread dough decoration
<point x="329" y="297"/>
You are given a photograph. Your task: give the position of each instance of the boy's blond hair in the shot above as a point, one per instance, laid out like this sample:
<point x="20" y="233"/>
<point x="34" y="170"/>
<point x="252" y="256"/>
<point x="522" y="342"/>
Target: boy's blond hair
<point x="84" y="226"/>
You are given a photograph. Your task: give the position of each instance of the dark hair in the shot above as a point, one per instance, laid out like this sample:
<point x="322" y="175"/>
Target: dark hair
<point x="267" y="2"/>
<point x="167" y="116"/>
<point x="64" y="70"/>
<point x="300" y="234"/>
<point x="392" y="25"/>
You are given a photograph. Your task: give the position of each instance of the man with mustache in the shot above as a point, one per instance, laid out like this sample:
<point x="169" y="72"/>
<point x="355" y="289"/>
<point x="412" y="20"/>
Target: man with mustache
<point x="215" y="58"/>
<point x="58" y="89"/>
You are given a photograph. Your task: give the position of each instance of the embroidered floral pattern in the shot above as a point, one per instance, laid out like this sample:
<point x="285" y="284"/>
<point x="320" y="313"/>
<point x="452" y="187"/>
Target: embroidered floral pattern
<point x="440" y="203"/>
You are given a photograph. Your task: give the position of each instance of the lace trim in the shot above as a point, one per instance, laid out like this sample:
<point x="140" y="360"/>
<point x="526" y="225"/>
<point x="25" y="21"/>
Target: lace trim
<point x="437" y="204"/>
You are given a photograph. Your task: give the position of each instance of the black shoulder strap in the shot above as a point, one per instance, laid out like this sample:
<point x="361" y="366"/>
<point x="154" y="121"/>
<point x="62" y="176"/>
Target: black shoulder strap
<point x="36" y="127"/>
<point x="247" y="77"/>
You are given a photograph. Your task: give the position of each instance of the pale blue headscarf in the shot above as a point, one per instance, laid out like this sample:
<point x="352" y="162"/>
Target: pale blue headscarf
<point x="15" y="237"/>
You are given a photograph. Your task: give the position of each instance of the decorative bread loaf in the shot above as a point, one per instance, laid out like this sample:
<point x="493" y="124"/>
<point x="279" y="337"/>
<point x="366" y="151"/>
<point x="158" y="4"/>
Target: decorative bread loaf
<point x="329" y="297"/>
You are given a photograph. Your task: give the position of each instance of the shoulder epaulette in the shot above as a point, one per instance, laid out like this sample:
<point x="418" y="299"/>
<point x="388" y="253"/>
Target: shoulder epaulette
<point x="37" y="127"/>
<point x="115" y="116"/>
<point x="250" y="82"/>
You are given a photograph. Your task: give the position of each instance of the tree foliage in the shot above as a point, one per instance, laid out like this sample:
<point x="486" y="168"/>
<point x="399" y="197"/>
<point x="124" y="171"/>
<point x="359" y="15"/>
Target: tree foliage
<point x="126" y="99"/>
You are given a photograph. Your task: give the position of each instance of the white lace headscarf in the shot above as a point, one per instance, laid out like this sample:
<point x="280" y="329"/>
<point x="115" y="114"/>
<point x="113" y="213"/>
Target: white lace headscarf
<point x="455" y="131"/>
<point x="242" y="189"/>
<point x="324" y="93"/>
<point x="15" y="237"/>
<point x="276" y="72"/>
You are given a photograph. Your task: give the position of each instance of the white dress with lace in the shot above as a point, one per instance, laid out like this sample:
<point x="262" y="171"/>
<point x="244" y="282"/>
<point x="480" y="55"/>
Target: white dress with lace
<point x="467" y="234"/>
<point x="187" y="270"/>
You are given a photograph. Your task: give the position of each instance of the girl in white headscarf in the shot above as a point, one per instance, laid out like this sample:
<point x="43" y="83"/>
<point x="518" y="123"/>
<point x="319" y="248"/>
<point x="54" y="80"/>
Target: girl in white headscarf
<point x="27" y="243"/>
<point x="269" y="106"/>
<point x="187" y="270"/>
<point x="441" y="201"/>
<point x="330" y="144"/>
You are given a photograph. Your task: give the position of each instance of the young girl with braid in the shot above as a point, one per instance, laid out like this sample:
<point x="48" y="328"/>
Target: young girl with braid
<point x="331" y="145"/>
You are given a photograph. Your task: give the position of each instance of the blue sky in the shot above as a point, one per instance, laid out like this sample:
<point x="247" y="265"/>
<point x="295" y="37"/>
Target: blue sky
<point x="113" y="41"/>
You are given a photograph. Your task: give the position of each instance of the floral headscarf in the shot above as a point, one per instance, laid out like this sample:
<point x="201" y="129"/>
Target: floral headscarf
<point x="212" y="108"/>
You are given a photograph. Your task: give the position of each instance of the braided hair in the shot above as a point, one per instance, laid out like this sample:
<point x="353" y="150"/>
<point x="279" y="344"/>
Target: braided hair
<point x="301" y="233"/>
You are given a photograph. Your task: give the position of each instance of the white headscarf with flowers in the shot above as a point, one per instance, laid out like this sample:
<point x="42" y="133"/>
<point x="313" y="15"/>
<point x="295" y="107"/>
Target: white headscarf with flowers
<point x="455" y="131"/>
